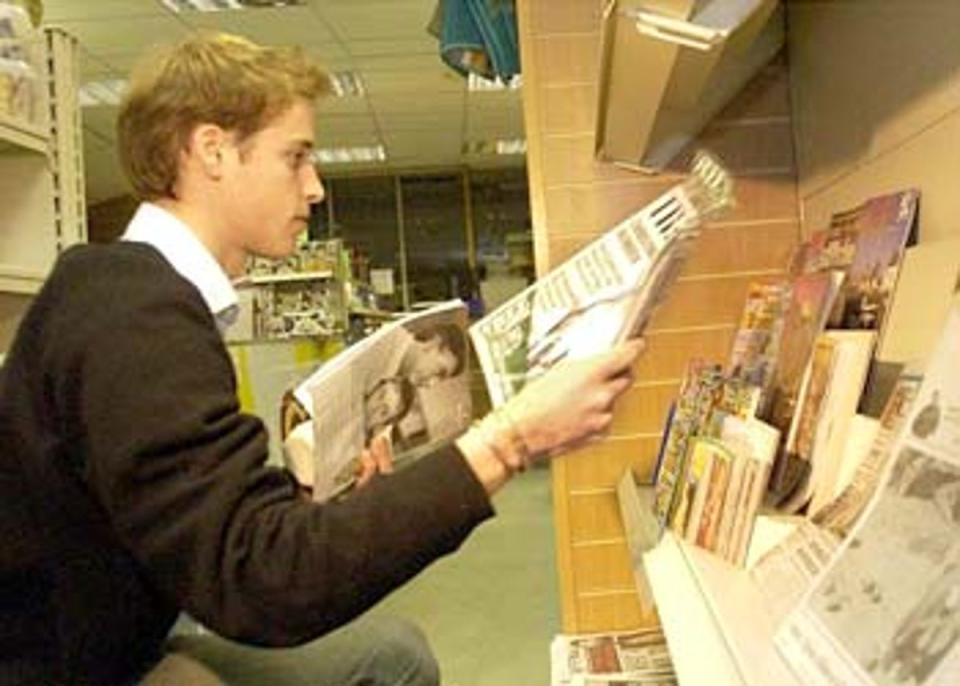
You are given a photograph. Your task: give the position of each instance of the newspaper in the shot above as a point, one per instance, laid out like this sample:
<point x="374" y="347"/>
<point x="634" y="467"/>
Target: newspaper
<point x="786" y="571"/>
<point x="409" y="380"/>
<point x="887" y="608"/>
<point x="632" y="658"/>
<point x="604" y="293"/>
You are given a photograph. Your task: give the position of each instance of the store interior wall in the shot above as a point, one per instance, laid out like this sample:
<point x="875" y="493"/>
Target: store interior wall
<point x="876" y="98"/>
<point x="574" y="198"/>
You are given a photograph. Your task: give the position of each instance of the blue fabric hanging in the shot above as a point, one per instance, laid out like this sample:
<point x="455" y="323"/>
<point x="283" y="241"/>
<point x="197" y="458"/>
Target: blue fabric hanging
<point x="480" y="36"/>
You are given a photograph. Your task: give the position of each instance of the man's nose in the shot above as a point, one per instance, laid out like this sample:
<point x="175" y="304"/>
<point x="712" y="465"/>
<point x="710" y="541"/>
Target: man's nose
<point x="313" y="189"/>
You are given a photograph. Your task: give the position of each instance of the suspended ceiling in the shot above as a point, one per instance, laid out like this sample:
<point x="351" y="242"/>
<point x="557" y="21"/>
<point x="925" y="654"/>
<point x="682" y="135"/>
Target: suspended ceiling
<point x="414" y="105"/>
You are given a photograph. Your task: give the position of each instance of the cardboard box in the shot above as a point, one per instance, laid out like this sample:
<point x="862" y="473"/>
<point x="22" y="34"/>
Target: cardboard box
<point x="668" y="66"/>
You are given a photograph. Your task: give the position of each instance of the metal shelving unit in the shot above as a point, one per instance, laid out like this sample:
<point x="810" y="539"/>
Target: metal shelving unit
<point x="42" y="205"/>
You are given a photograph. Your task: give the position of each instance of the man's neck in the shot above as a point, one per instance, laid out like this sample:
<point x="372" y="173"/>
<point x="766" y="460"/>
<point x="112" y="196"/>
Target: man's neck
<point x="208" y="230"/>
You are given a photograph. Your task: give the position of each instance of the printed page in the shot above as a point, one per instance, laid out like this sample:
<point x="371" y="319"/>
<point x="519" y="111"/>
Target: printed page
<point x="867" y="620"/>
<point x="636" y="657"/>
<point x="409" y="381"/>
<point x="604" y="293"/>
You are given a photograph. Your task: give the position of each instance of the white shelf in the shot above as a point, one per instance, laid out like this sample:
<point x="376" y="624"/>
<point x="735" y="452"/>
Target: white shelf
<point x="290" y="277"/>
<point x="716" y="620"/>
<point x="22" y="284"/>
<point x="21" y="136"/>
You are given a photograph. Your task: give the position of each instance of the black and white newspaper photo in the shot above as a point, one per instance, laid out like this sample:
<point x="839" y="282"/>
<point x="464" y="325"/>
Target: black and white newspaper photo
<point x="409" y="380"/>
<point x="868" y="620"/>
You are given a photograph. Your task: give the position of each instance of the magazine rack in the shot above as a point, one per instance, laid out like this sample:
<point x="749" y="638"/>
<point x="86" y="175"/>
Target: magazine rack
<point x="716" y="619"/>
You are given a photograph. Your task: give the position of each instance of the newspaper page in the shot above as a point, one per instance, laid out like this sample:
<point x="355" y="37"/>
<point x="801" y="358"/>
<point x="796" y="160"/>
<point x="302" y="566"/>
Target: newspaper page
<point x="602" y="295"/>
<point x="632" y="658"/>
<point x="887" y="608"/>
<point x="408" y="380"/>
<point x="786" y="571"/>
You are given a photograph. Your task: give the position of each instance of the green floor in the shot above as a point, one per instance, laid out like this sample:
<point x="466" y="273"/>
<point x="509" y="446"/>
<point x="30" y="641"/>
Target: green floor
<point x="491" y="609"/>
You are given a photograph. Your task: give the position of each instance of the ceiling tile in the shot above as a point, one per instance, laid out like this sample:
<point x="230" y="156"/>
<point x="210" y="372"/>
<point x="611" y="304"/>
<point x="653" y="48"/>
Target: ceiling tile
<point x="126" y="34"/>
<point x="395" y="47"/>
<point x="286" y="26"/>
<point x="56" y="11"/>
<point x="378" y="20"/>
<point x="426" y="83"/>
<point x="414" y="103"/>
<point x="447" y="103"/>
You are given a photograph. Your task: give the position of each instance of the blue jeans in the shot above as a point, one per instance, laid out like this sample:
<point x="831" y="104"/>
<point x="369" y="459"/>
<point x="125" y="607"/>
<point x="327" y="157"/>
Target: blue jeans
<point x="370" y="651"/>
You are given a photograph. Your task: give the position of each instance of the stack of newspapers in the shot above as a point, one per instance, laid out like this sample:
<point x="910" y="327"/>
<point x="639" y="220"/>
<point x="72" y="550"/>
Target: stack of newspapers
<point x="634" y="658"/>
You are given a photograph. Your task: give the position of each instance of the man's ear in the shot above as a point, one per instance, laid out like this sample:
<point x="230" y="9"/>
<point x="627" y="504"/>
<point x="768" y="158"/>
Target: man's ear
<point x="206" y="146"/>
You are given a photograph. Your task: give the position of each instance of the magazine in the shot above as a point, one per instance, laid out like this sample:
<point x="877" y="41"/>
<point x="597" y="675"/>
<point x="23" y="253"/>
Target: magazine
<point x="408" y="381"/>
<point x="865" y="620"/>
<point x="603" y="294"/>
<point x="866" y="243"/>
<point x="632" y="658"/>
<point x="757" y="341"/>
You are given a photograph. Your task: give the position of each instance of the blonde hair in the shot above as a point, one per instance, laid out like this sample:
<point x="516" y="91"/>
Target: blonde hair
<point x="207" y="79"/>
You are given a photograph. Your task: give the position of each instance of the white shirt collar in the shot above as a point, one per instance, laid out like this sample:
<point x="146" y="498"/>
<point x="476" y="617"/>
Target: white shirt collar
<point x="181" y="247"/>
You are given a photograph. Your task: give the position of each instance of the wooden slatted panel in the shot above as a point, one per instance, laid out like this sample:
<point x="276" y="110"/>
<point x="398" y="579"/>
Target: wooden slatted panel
<point x="573" y="199"/>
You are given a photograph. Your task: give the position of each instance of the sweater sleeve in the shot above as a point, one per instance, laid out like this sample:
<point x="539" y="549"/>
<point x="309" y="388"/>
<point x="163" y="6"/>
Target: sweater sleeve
<point x="181" y="475"/>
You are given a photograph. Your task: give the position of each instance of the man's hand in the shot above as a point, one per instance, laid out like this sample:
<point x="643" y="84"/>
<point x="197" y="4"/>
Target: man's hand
<point x="377" y="458"/>
<point x="573" y="402"/>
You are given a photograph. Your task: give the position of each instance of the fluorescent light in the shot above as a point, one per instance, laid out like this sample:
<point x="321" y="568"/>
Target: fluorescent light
<point x="201" y="5"/>
<point x="374" y="153"/>
<point x="103" y="92"/>
<point x="346" y="84"/>
<point x="222" y="5"/>
<point x="476" y="83"/>
<point x="511" y="146"/>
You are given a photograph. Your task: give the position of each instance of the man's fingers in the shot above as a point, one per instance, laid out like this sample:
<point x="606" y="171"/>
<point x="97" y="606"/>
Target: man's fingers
<point x="367" y="468"/>
<point x="381" y="448"/>
<point x="622" y="357"/>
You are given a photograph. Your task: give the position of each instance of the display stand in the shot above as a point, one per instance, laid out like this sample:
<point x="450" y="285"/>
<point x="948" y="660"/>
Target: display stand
<point x="716" y="619"/>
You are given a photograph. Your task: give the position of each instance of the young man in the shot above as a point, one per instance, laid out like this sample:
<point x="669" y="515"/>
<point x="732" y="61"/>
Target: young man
<point x="131" y="485"/>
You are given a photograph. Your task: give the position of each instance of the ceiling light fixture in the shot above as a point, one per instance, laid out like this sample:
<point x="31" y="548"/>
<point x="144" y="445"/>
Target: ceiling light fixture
<point x="510" y="146"/>
<point x="224" y="5"/>
<point x="513" y="146"/>
<point x="374" y="153"/>
<point x="201" y="5"/>
<point x="346" y="84"/>
<point x="103" y="92"/>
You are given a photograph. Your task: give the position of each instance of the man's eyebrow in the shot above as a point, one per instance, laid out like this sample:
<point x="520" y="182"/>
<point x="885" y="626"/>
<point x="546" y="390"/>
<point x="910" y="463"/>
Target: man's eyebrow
<point x="302" y="144"/>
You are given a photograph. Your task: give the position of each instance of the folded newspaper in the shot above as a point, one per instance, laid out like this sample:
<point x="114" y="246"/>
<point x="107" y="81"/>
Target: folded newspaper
<point x="408" y="380"/>
<point x="605" y="293"/>
<point x="631" y="658"/>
